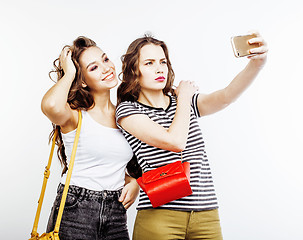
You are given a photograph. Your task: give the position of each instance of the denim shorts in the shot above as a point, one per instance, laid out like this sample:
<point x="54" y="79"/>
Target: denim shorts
<point x="90" y="215"/>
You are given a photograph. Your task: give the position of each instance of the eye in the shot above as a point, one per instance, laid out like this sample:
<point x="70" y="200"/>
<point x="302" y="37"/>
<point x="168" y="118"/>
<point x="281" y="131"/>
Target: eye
<point x="164" y="62"/>
<point x="148" y="63"/>
<point x="93" y="68"/>
<point x="106" y="59"/>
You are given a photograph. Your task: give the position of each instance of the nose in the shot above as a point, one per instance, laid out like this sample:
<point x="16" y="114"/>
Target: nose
<point x="159" y="69"/>
<point x="105" y="68"/>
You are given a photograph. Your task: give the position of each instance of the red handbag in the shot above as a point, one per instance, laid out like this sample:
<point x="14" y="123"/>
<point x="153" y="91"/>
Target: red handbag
<point x="166" y="183"/>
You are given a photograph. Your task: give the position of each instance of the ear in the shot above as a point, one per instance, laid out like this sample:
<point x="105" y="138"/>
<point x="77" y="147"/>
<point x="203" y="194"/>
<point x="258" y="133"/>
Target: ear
<point x="84" y="85"/>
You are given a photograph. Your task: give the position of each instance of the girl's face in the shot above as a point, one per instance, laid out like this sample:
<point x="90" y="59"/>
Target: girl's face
<point x="99" y="72"/>
<point x="153" y="68"/>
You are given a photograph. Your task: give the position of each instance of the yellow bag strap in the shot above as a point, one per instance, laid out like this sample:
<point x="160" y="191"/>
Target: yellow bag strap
<point x="46" y="176"/>
<point x="69" y="174"/>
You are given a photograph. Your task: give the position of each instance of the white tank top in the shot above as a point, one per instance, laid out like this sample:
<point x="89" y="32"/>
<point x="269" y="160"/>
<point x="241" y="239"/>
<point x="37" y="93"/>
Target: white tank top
<point x="101" y="158"/>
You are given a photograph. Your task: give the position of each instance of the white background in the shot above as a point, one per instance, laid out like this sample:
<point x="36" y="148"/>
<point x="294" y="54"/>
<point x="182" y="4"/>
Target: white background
<point x="255" y="145"/>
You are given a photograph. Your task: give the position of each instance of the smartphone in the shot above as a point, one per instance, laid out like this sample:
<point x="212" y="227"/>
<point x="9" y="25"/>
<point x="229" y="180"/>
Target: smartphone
<point x="241" y="46"/>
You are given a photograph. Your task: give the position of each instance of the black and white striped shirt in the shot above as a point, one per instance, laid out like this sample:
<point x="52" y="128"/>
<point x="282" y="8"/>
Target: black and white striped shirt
<point x="149" y="157"/>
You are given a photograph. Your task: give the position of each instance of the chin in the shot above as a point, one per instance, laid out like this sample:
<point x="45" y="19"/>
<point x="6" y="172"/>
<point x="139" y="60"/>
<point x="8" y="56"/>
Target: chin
<point x="113" y="83"/>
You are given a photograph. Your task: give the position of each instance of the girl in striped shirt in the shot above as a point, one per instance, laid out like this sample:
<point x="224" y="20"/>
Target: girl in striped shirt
<point x="159" y="123"/>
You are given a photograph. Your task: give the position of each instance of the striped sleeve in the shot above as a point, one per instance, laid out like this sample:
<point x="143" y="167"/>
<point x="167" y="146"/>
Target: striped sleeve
<point x="126" y="109"/>
<point x="194" y="105"/>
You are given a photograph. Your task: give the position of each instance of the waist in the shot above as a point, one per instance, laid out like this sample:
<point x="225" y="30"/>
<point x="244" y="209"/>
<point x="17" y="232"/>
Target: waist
<point x="82" y="193"/>
<point x="97" y="178"/>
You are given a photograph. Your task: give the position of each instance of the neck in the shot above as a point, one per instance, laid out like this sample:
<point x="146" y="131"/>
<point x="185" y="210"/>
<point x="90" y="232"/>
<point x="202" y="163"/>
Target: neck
<point x="154" y="99"/>
<point x="102" y="101"/>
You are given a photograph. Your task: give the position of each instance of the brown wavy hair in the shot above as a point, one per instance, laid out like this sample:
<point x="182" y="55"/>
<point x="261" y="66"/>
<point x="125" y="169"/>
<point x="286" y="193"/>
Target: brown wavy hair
<point x="78" y="97"/>
<point x="129" y="89"/>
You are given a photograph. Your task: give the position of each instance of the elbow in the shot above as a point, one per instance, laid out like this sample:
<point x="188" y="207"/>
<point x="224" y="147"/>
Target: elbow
<point x="55" y="112"/>
<point x="178" y="149"/>
<point x="178" y="146"/>
<point x="48" y="106"/>
<point x="175" y="142"/>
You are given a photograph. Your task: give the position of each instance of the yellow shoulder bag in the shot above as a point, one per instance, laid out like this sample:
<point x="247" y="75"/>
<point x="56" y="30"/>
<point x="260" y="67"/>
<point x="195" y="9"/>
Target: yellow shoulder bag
<point x="54" y="235"/>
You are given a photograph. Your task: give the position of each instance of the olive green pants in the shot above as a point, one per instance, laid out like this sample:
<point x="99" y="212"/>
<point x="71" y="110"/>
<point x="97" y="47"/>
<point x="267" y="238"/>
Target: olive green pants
<point x="162" y="224"/>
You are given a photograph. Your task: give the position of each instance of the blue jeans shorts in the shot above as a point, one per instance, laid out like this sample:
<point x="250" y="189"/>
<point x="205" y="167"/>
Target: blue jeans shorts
<point x="90" y="215"/>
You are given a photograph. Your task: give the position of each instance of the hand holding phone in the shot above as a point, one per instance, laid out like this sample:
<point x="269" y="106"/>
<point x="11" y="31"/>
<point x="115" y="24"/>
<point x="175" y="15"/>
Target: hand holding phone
<point x="241" y="45"/>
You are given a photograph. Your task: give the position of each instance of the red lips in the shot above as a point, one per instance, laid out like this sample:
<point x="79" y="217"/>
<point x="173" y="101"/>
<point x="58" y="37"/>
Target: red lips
<point x="109" y="77"/>
<point x="160" y="78"/>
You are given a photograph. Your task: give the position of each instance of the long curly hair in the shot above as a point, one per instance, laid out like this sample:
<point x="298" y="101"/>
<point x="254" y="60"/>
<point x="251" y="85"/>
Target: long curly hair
<point x="78" y="97"/>
<point x="129" y="89"/>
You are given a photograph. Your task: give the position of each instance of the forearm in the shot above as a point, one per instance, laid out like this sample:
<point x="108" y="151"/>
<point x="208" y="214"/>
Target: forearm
<point x="180" y="126"/>
<point x="54" y="103"/>
<point x="128" y="179"/>
<point x="242" y="81"/>
<point x="173" y="138"/>
<point x="129" y="192"/>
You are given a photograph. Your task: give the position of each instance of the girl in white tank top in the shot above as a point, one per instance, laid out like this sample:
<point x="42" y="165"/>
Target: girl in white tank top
<point x="100" y="190"/>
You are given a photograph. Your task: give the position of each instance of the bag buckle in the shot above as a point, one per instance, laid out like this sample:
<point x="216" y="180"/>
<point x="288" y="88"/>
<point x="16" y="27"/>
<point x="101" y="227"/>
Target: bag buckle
<point x="46" y="173"/>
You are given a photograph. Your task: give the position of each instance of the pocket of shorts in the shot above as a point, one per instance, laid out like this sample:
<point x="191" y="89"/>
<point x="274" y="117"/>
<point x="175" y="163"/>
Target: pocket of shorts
<point x="71" y="201"/>
<point x="122" y="207"/>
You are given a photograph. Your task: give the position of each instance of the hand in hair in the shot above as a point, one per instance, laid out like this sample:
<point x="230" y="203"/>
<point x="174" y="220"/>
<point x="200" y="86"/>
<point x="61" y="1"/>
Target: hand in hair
<point x="66" y="61"/>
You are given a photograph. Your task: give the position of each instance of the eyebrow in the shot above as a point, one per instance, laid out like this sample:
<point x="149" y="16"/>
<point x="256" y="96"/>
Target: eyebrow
<point x="94" y="61"/>
<point x="152" y="60"/>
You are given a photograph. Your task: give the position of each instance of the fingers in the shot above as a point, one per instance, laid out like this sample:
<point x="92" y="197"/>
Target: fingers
<point x="194" y="85"/>
<point x="189" y="83"/>
<point x="123" y="194"/>
<point x="126" y="199"/>
<point x="127" y="203"/>
<point x="66" y="52"/>
<point x="258" y="40"/>
<point x="261" y="51"/>
<point x="186" y="89"/>
<point x="258" y="56"/>
<point x="65" y="61"/>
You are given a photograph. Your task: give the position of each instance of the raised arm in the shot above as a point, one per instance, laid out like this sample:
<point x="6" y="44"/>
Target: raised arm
<point x="54" y="103"/>
<point x="173" y="138"/>
<point x="216" y="101"/>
